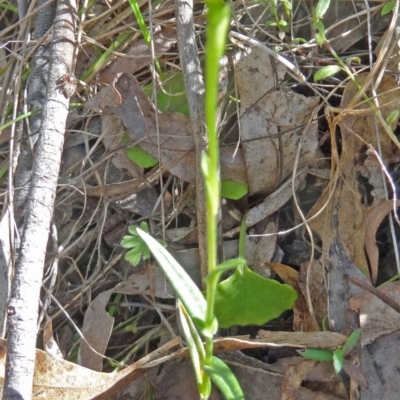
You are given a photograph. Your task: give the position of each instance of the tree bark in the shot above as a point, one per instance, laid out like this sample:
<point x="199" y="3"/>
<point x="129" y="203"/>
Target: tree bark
<point x="22" y="309"/>
<point x="194" y="86"/>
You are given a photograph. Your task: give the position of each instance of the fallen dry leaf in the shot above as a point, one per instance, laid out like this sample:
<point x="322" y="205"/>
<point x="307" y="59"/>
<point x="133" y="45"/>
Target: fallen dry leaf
<point x="97" y="324"/>
<point x="295" y="374"/>
<point x="319" y="340"/>
<point x="125" y="98"/>
<point x="376" y="317"/>
<point x="381" y="365"/>
<point x="59" y="379"/>
<point x="302" y="319"/>
<point x="272" y="121"/>
<point x="356" y="165"/>
<point x="372" y="221"/>
<point x="139" y="55"/>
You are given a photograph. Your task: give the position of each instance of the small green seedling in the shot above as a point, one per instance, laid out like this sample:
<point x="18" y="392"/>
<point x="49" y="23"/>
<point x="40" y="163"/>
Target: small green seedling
<point x="139" y="249"/>
<point x="337" y="356"/>
<point x="280" y="21"/>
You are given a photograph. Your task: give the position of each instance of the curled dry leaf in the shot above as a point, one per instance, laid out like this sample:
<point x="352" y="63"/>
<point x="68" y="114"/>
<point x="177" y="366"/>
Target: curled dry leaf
<point x="372" y="221"/>
<point x="273" y="122"/>
<point x="60" y="379"/>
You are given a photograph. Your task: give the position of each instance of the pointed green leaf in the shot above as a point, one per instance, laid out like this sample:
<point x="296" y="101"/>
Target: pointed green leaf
<point x="317" y="354"/>
<point x="351" y="342"/>
<point x="233" y="190"/>
<point x="388" y="7"/>
<point x="193" y="341"/>
<point x="247" y="298"/>
<point x="321" y="8"/>
<point x="185" y="288"/>
<point x="224" y="378"/>
<point x="326" y="72"/>
<point x="141" y="157"/>
<point x="338" y="360"/>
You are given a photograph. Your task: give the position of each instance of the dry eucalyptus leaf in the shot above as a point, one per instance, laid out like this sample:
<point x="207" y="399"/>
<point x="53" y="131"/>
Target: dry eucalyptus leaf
<point x="376" y="317"/>
<point x="295" y="374"/>
<point x="380" y="366"/>
<point x="302" y="320"/>
<point x="357" y="166"/>
<point x="318" y="340"/>
<point x="59" y="379"/>
<point x="372" y="221"/>
<point x="275" y="200"/>
<point x="174" y="136"/>
<point x="112" y="133"/>
<point x="97" y="324"/>
<point x="139" y="55"/>
<point x="273" y="121"/>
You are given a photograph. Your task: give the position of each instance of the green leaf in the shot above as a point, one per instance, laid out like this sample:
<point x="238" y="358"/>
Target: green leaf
<point x="135" y="255"/>
<point x="392" y="117"/>
<point x="3" y="171"/>
<point x="351" y="342"/>
<point x="282" y="23"/>
<point x="233" y="190"/>
<point x="317" y="354"/>
<point x="139" y="248"/>
<point x="224" y="378"/>
<point x="338" y="360"/>
<point x="388" y="7"/>
<point x="130" y="241"/>
<point x="320" y="36"/>
<point x="247" y="298"/>
<point x="141" y="157"/>
<point x="185" y="288"/>
<point x="321" y="8"/>
<point x="193" y="341"/>
<point x="131" y="328"/>
<point x="326" y="72"/>
<point x="288" y="5"/>
<point x="172" y="98"/>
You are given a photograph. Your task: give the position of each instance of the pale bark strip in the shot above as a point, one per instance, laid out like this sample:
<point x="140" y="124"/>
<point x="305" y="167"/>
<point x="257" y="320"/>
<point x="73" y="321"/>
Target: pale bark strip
<point x="194" y="85"/>
<point x="36" y="89"/>
<point x="25" y="290"/>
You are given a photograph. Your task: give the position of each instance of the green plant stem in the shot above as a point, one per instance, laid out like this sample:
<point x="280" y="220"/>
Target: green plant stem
<point x="217" y="27"/>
